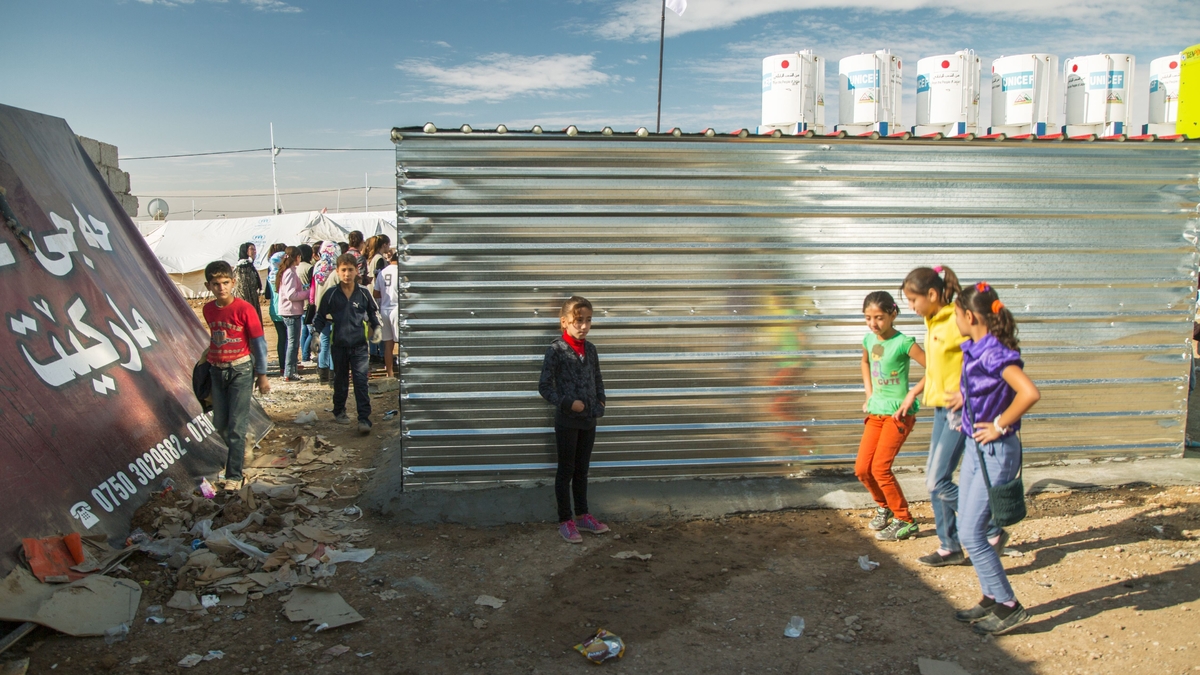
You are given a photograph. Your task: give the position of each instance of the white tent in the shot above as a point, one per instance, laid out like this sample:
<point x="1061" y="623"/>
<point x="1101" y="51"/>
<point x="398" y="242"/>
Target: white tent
<point x="185" y="247"/>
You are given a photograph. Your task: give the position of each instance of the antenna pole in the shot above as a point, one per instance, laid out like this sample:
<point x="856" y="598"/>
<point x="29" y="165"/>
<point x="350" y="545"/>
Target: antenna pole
<point x="339" y="201"/>
<point x="662" y="32"/>
<point x="275" y="151"/>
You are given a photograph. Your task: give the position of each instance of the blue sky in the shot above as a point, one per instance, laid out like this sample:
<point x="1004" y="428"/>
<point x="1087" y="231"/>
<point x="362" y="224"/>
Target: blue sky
<point x="174" y="76"/>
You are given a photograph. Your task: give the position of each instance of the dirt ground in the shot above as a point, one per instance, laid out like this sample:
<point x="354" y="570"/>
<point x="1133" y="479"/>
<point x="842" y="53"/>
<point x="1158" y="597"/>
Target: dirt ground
<point x="1111" y="578"/>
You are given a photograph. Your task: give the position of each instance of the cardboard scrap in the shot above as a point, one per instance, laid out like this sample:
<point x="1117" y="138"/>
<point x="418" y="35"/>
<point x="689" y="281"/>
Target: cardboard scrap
<point x="87" y="607"/>
<point x="51" y="558"/>
<point x="317" y="534"/>
<point x="18" y="667"/>
<point x="320" y="608"/>
<point x="626" y="555"/>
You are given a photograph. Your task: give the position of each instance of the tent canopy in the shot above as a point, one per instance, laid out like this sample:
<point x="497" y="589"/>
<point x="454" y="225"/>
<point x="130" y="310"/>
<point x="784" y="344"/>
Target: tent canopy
<point x="185" y="247"/>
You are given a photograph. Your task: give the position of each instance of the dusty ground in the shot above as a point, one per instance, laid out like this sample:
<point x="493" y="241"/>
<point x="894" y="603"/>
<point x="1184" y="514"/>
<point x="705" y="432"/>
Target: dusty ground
<point x="1111" y="578"/>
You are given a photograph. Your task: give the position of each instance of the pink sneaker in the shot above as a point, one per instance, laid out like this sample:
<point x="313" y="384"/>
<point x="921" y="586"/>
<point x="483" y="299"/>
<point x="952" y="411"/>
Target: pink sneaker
<point x="588" y="523"/>
<point x="569" y="532"/>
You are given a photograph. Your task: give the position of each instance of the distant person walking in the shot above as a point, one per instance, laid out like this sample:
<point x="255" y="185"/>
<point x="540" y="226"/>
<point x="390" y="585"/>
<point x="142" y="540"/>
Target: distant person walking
<point x="248" y="284"/>
<point x="292" y="297"/>
<point x="324" y="277"/>
<point x="356" y="249"/>
<point x="387" y="292"/>
<point x="353" y="313"/>
<point x="273" y="310"/>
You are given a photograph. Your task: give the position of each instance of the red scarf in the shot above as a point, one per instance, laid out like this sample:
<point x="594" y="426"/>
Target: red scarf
<point x="576" y="345"/>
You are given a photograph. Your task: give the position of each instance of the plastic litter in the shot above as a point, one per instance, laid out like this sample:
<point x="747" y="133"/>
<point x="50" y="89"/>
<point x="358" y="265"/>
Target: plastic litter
<point x="358" y="555"/>
<point x="116" y="634"/>
<point x="306" y="417"/>
<point x="154" y="614"/>
<point x="214" y="654"/>
<point x="626" y="555"/>
<point x="601" y="647"/>
<point x="210" y="601"/>
<point x="866" y="563"/>
<point x="795" y="627"/>
<point x="206" y="489"/>
<point x="168" y="484"/>
<point x="190" y="660"/>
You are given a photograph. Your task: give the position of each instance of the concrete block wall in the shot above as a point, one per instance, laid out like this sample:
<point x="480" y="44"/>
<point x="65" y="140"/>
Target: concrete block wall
<point x="104" y="156"/>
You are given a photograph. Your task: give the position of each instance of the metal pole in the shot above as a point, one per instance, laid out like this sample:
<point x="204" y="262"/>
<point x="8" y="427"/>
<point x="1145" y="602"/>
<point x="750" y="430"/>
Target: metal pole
<point x="274" y="151"/>
<point x="339" y="202"/>
<point x="662" y="32"/>
<point x="367" y="186"/>
<point x="193" y="209"/>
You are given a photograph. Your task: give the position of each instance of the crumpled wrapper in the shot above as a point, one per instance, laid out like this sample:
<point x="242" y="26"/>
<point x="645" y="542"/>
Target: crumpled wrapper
<point x="601" y="647"/>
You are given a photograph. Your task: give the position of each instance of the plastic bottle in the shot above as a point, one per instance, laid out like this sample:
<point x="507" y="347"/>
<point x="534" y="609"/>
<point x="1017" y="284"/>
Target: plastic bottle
<point x="795" y="627"/>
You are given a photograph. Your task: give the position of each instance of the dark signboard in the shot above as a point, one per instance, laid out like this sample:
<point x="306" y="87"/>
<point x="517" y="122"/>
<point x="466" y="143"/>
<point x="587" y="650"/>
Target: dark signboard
<point x="96" y="349"/>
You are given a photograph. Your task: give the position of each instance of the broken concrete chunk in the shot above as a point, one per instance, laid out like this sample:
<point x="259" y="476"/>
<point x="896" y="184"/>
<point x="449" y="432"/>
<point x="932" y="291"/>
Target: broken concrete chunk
<point x="185" y="600"/>
<point x="932" y="667"/>
<point x="490" y="601"/>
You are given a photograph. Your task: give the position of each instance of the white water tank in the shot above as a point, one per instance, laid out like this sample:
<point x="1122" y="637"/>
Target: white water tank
<point x="793" y="93"/>
<point x="1098" y="89"/>
<point x="1025" y="95"/>
<point x="869" y="93"/>
<point x="948" y="94"/>
<point x="1164" y="95"/>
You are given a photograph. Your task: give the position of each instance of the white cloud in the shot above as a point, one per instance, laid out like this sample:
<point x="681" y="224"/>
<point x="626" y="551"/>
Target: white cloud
<point x="277" y="6"/>
<point x="497" y="77"/>
<point x="635" y="19"/>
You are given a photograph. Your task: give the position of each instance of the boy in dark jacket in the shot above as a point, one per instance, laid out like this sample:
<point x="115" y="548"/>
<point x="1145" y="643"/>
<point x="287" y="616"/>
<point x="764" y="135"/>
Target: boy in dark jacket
<point x="351" y="310"/>
<point x="571" y="382"/>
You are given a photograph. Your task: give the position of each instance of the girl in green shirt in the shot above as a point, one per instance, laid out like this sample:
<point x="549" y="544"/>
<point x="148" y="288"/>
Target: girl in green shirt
<point x="891" y="413"/>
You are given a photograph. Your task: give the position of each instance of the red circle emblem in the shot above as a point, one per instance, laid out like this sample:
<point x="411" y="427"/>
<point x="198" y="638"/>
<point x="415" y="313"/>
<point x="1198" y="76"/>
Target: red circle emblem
<point x="785" y="64"/>
<point x="1075" y="68"/>
<point x="1174" y="65"/>
<point x="945" y="64"/>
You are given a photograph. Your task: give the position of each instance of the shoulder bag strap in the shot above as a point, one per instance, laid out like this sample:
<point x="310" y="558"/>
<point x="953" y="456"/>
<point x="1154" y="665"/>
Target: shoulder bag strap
<point x="983" y="465"/>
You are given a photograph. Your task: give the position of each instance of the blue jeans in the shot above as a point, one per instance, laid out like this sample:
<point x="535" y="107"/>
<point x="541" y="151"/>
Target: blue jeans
<point x="306" y="336"/>
<point x="293" y="324"/>
<point x="945" y="451"/>
<point x="324" y="360"/>
<point x="231" y="389"/>
<point x="1003" y="458"/>
<point x="351" y="362"/>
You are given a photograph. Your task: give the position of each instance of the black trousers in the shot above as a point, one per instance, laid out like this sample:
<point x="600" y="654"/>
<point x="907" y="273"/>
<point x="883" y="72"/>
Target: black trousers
<point x="350" y="363"/>
<point x="574" y="456"/>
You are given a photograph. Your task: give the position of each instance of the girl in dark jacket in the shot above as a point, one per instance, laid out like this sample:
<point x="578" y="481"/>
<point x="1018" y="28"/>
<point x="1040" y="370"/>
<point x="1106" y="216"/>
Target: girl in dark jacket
<point x="571" y="382"/>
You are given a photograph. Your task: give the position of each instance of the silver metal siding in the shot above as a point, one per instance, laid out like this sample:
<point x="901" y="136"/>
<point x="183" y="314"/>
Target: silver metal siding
<point x="728" y="276"/>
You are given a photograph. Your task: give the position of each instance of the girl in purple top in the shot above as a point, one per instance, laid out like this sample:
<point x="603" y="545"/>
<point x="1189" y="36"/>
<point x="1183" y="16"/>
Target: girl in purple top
<point x="997" y="393"/>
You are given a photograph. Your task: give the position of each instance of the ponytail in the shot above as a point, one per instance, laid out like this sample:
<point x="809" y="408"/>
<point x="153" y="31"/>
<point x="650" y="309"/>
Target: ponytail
<point x="291" y="255"/>
<point x="983" y="301"/>
<point x="940" y="278"/>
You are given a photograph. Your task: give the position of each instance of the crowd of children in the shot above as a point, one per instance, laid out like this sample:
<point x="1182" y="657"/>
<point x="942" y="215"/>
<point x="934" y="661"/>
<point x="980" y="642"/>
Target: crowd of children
<point x="324" y="306"/>
<point x="973" y="382"/>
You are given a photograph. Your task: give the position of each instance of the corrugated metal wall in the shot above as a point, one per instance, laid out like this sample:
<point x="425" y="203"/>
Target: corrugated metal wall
<point x="728" y="276"/>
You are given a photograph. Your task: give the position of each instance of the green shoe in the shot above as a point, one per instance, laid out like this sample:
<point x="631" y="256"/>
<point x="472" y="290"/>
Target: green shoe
<point x="883" y="516"/>
<point x="897" y="530"/>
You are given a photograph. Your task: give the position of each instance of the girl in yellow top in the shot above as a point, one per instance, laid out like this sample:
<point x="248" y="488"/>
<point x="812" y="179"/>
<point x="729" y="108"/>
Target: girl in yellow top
<point x="930" y="293"/>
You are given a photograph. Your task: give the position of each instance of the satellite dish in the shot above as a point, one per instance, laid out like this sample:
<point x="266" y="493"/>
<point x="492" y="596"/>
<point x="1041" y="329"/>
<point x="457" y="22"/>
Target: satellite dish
<point x="158" y="209"/>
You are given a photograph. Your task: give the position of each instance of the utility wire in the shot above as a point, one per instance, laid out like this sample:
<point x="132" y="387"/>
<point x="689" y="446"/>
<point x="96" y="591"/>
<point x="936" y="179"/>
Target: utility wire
<point x="236" y="152"/>
<point x="197" y="154"/>
<point x="269" y="194"/>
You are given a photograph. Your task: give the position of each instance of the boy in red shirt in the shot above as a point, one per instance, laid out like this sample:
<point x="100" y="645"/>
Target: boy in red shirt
<point x="237" y="358"/>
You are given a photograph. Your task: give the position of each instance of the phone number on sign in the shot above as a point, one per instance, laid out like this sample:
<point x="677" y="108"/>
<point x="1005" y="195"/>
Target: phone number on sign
<point x="119" y="488"/>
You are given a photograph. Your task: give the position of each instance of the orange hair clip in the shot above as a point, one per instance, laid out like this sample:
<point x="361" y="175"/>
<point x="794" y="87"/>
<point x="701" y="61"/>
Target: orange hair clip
<point x="983" y="287"/>
<point x="997" y="306"/>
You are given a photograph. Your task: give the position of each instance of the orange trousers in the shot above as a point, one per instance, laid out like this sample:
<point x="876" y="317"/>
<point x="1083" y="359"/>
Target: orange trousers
<point x="881" y="441"/>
